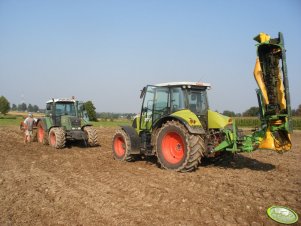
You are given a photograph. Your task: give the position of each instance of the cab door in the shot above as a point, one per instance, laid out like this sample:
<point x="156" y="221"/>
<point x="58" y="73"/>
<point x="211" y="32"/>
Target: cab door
<point x="161" y="103"/>
<point x="147" y="108"/>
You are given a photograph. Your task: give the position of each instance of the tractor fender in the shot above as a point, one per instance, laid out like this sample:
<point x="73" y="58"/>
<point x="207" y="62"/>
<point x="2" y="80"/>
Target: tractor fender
<point x="192" y="130"/>
<point x="86" y="125"/>
<point x="46" y="122"/>
<point x="134" y="138"/>
<point x="43" y="121"/>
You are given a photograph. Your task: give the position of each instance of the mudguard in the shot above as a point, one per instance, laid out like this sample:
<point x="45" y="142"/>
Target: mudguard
<point x="134" y="138"/>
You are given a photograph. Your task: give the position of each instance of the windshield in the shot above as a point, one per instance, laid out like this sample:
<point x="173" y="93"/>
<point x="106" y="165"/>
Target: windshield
<point x="65" y="108"/>
<point x="197" y="100"/>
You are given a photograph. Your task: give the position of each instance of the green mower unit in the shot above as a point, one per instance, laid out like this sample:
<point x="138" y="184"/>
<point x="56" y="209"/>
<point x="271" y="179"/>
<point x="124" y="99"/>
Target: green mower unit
<point x="66" y="119"/>
<point x="177" y="126"/>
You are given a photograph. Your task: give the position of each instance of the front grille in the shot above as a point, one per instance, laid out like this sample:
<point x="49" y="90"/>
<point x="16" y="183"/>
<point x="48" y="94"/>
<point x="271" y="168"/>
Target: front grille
<point x="75" y="122"/>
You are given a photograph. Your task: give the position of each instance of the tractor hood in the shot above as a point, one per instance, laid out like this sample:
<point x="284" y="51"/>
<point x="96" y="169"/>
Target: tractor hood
<point x="217" y="120"/>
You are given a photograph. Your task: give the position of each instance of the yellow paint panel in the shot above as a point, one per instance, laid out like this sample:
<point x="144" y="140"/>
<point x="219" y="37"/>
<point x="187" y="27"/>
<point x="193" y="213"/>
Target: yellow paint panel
<point x="188" y="116"/>
<point x="259" y="79"/>
<point x="262" y="37"/>
<point x="217" y="120"/>
<point x="280" y="145"/>
<point x="280" y="88"/>
<point x="268" y="141"/>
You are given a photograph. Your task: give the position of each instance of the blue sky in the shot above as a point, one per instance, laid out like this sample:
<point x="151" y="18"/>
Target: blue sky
<point x="106" y="51"/>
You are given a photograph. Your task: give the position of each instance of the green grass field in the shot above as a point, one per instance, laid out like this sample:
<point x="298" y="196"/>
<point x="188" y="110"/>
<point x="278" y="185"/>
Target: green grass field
<point x="112" y="123"/>
<point x="15" y="120"/>
<point x="250" y="122"/>
<point x="10" y="120"/>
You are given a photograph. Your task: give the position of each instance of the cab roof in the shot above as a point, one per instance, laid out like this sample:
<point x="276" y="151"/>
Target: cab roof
<point x="61" y="100"/>
<point x="195" y="84"/>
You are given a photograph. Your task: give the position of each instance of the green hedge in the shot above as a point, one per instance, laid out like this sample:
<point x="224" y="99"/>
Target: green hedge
<point x="297" y="123"/>
<point x="8" y="117"/>
<point x="255" y="122"/>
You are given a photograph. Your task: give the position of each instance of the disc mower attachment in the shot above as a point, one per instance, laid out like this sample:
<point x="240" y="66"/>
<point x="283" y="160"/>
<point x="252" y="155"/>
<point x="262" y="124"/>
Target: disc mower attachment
<point x="270" y="73"/>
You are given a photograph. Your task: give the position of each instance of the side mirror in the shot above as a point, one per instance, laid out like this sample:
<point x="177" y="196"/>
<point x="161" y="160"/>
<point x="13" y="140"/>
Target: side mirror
<point x="143" y="91"/>
<point x="48" y="107"/>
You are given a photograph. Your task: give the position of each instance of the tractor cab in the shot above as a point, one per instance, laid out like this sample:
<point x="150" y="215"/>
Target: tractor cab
<point x="165" y="99"/>
<point x="64" y="108"/>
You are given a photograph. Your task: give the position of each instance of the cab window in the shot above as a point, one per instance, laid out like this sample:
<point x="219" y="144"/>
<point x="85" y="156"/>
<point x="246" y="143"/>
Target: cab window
<point x="177" y="99"/>
<point x="198" y="101"/>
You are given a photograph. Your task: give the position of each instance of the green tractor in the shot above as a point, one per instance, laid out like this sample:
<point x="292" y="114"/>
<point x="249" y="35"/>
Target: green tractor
<point x="66" y="119"/>
<point x="177" y="126"/>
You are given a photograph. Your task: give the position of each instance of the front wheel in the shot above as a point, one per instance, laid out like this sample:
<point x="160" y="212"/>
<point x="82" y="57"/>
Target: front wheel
<point x="177" y="149"/>
<point x="91" y="136"/>
<point x="57" y="138"/>
<point x="121" y="146"/>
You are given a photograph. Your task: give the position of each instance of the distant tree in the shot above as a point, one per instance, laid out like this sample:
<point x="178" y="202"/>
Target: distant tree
<point x="91" y="111"/>
<point x="298" y="111"/>
<point x="35" y="108"/>
<point x="130" y="116"/>
<point x="229" y="113"/>
<point x="4" y="105"/>
<point x="252" y="111"/>
<point x="14" y="107"/>
<point x="30" y="108"/>
<point x="22" y="107"/>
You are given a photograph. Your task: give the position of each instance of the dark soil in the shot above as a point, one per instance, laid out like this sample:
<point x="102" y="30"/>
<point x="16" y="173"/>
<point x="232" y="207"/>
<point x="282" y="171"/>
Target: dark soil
<point x="40" y="185"/>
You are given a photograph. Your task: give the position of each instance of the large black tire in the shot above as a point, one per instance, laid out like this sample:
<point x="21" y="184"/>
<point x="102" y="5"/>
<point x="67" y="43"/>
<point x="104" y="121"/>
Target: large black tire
<point x="121" y="146"/>
<point x="42" y="136"/>
<point x="57" y="137"/>
<point x="91" y="136"/>
<point x="177" y="149"/>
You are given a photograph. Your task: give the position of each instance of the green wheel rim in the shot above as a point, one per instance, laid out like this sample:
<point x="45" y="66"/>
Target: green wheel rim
<point x="282" y="214"/>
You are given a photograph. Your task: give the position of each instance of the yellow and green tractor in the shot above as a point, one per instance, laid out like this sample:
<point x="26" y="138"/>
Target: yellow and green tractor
<point x="177" y="126"/>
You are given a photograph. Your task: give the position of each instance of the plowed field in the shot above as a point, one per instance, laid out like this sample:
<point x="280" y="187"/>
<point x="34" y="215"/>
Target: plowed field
<point x="40" y="185"/>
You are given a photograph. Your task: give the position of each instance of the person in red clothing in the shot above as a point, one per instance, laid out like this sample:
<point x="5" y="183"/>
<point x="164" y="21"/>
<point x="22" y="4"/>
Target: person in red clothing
<point x="28" y="126"/>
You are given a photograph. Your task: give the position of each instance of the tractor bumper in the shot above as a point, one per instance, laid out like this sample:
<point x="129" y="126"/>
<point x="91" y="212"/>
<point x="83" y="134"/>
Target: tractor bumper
<point x="76" y="135"/>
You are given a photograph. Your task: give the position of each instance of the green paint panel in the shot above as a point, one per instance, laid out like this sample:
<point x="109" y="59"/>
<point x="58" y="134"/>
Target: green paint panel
<point x="48" y="122"/>
<point x="65" y="122"/>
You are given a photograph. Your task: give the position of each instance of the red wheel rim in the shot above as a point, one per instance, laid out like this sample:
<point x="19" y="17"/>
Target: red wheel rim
<point x="119" y="146"/>
<point x="173" y="147"/>
<point x="40" y="134"/>
<point x="52" y="138"/>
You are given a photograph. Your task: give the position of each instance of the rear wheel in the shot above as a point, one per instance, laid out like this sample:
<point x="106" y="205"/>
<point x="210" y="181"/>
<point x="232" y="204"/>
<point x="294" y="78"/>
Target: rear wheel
<point x="91" y="135"/>
<point x="177" y="149"/>
<point x="41" y="133"/>
<point x="122" y="146"/>
<point x="57" y="138"/>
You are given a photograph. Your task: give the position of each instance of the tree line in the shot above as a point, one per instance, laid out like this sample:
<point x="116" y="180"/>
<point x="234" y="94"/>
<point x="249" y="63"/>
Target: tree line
<point x="5" y="106"/>
<point x="25" y="107"/>
<point x="93" y="115"/>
